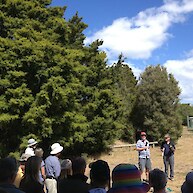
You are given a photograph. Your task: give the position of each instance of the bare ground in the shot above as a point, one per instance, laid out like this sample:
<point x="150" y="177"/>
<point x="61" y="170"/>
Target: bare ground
<point x="183" y="159"/>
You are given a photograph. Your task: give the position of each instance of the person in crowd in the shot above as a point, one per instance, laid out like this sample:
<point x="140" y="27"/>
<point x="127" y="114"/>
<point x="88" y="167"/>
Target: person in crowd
<point x="30" y="182"/>
<point x="126" y="178"/>
<point x="143" y="148"/>
<point x="53" y="168"/>
<point x="158" y="180"/>
<point x="8" y="172"/>
<point x="168" y="149"/>
<point x="77" y="182"/>
<point x="32" y="144"/>
<point x="21" y="170"/>
<point x="100" y="177"/>
<point x="42" y="173"/>
<point x="187" y="186"/>
<point x="66" y="169"/>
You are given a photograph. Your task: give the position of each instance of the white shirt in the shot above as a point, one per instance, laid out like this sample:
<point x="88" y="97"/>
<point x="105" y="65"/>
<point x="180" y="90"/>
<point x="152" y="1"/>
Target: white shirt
<point x="29" y="151"/>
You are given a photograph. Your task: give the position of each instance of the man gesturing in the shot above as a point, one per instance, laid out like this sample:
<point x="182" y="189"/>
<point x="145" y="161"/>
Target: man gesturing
<point x="144" y="155"/>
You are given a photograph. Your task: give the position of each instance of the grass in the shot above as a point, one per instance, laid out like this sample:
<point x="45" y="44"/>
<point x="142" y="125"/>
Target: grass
<point x="183" y="159"/>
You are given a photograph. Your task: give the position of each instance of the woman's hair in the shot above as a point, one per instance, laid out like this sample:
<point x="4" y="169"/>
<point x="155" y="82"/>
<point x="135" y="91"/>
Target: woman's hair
<point x="32" y="169"/>
<point x="39" y="152"/>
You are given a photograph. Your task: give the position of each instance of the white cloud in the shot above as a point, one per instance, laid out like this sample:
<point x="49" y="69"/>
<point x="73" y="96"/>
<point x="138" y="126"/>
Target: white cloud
<point x="139" y="36"/>
<point x="182" y="71"/>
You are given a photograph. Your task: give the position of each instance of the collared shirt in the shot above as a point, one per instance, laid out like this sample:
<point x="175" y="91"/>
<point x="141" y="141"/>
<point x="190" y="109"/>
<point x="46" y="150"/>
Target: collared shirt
<point x="53" y="167"/>
<point x="142" y="144"/>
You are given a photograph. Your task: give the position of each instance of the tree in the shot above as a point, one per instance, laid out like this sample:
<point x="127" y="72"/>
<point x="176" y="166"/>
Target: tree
<point x="52" y="86"/>
<point x="156" y="105"/>
<point x="124" y="87"/>
<point x="185" y="110"/>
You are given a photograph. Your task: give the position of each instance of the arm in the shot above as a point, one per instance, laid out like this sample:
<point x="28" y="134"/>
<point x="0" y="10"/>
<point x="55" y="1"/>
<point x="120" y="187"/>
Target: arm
<point x="57" y="169"/>
<point x="139" y="148"/>
<point x="43" y="172"/>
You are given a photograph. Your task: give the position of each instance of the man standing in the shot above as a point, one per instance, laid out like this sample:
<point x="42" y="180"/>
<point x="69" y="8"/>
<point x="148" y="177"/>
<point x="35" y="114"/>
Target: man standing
<point x="53" y="168"/>
<point x="144" y="155"/>
<point x="168" y="149"/>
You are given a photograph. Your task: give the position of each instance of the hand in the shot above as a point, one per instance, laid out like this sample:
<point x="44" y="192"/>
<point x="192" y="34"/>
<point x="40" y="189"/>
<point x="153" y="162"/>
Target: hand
<point x="145" y="148"/>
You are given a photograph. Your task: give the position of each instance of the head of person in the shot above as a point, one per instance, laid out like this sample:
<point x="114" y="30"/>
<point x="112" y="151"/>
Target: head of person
<point x="157" y="180"/>
<point x="127" y="178"/>
<point x="167" y="137"/>
<point x="78" y="165"/>
<point x="56" y="149"/>
<point x="39" y="152"/>
<point x="32" y="168"/>
<point x="66" y="168"/>
<point x="187" y="186"/>
<point x="8" y="170"/>
<point x="22" y="161"/>
<point x="32" y="143"/>
<point x="100" y="174"/>
<point x="143" y="135"/>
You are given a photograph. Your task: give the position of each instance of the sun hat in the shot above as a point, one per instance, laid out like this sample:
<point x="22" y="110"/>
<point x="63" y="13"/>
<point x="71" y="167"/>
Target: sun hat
<point x="56" y="148"/>
<point x="24" y="157"/>
<point x="66" y="164"/>
<point x="188" y="184"/>
<point x="31" y="142"/>
<point x="127" y="179"/>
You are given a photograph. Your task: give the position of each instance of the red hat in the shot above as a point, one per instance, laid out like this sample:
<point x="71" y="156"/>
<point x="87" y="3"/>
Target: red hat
<point x="143" y="133"/>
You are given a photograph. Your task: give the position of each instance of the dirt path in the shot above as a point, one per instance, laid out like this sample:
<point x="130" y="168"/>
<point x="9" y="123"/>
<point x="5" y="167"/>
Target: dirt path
<point x="183" y="159"/>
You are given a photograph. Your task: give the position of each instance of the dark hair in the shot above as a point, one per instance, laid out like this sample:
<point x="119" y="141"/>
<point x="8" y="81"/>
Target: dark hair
<point x="157" y="179"/>
<point x="8" y="168"/>
<point x="100" y="173"/>
<point x="78" y="165"/>
<point x="32" y="169"/>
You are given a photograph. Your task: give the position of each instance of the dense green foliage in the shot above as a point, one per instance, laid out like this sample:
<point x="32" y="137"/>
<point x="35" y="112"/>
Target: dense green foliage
<point x="185" y="110"/>
<point x="124" y="87"/>
<point x="156" y="104"/>
<point x="54" y="88"/>
<point x="51" y="85"/>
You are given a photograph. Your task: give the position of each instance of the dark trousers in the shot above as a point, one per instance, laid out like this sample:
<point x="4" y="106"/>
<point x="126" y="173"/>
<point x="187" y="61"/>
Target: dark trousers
<point x="169" y="162"/>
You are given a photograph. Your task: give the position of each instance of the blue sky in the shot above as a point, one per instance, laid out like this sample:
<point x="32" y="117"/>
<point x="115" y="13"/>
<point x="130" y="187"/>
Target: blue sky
<point x="145" y="31"/>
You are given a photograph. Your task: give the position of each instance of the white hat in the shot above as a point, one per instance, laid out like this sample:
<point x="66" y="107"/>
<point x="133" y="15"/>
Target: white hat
<point x="31" y="142"/>
<point x="56" y="148"/>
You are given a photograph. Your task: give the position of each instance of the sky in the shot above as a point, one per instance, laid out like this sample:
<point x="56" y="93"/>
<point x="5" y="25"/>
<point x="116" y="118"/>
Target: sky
<point x="147" y="32"/>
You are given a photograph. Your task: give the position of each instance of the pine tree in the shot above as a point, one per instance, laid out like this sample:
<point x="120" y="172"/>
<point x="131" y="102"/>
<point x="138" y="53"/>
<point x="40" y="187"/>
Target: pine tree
<point x="52" y="86"/>
<point x="156" y="104"/>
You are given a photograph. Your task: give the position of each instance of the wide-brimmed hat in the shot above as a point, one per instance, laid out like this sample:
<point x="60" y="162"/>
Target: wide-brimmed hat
<point x="127" y="179"/>
<point x="66" y="164"/>
<point x="188" y="184"/>
<point x="31" y="142"/>
<point x="56" y="148"/>
<point x="24" y="157"/>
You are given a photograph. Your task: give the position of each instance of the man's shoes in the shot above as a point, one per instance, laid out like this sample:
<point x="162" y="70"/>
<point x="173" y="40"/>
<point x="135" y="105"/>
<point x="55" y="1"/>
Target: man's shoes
<point x="171" y="178"/>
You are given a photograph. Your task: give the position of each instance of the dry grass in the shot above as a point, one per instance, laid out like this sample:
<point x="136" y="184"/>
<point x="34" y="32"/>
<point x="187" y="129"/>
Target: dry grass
<point x="183" y="159"/>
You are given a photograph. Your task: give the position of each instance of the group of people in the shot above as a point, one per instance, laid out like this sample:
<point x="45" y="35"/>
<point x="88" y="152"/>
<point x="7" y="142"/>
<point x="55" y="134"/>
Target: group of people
<point x="167" y="149"/>
<point x="52" y="175"/>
